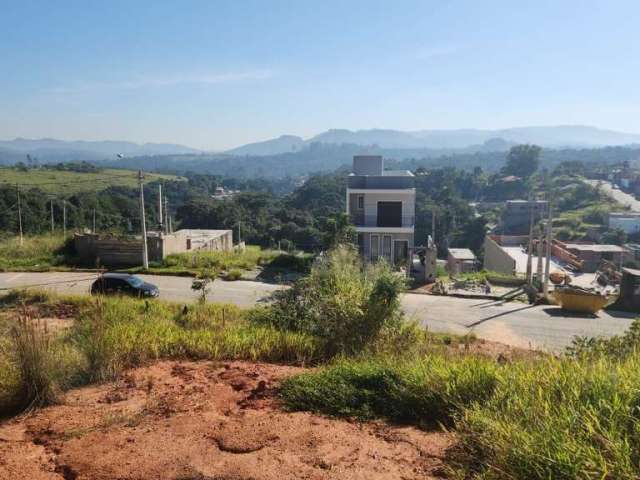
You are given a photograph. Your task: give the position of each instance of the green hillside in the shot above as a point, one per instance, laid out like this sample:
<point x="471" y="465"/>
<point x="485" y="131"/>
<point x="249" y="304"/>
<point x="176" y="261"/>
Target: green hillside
<point x="55" y="181"/>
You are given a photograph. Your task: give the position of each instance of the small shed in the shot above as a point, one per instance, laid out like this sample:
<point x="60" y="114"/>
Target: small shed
<point x="629" y="298"/>
<point x="460" y="260"/>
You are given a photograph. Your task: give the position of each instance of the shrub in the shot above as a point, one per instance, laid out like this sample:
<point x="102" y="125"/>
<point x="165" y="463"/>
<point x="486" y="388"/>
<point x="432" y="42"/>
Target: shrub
<point x="298" y="263"/>
<point x="342" y="302"/>
<point x="233" y="275"/>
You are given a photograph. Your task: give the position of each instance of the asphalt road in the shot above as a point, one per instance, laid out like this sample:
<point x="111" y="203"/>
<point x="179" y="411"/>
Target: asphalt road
<point x="517" y="324"/>
<point x="618" y="195"/>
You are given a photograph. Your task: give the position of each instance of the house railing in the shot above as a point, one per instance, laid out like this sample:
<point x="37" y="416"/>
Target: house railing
<point x="362" y="220"/>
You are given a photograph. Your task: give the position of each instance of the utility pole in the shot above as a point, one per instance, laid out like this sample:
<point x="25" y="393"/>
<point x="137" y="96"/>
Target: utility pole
<point x="64" y="218"/>
<point x="530" y="246"/>
<point x="433" y="225"/>
<point x="540" y="255"/>
<point x="145" y="253"/>
<point x="52" y="221"/>
<point x="548" y="259"/>
<point x="166" y="214"/>
<point x="160" y="206"/>
<point x="19" y="216"/>
<point x="239" y="232"/>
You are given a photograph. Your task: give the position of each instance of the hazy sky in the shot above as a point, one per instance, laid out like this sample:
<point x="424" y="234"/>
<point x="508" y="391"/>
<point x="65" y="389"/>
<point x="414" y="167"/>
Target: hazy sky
<point x="214" y="74"/>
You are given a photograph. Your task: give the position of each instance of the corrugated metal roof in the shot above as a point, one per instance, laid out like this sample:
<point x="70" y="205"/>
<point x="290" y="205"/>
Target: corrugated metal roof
<point x="462" y="253"/>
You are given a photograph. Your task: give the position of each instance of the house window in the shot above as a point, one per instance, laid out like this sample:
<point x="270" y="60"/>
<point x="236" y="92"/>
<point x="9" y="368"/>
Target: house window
<point x="375" y="247"/>
<point x="360" y="202"/>
<point x="389" y="214"/>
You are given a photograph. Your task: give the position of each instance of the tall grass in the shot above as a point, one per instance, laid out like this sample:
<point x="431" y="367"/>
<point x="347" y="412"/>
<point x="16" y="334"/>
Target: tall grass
<point x="558" y="418"/>
<point x="426" y="392"/>
<point x="246" y="259"/>
<point x="38" y="252"/>
<point x="112" y="334"/>
<point x="115" y="335"/>
<point x="537" y="419"/>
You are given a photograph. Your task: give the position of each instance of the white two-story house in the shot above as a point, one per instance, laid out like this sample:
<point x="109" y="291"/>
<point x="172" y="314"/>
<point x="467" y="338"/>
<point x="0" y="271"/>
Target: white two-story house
<point x="381" y="206"/>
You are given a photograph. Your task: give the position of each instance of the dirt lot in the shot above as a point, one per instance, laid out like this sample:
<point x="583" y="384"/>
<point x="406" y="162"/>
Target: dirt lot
<point x="205" y="421"/>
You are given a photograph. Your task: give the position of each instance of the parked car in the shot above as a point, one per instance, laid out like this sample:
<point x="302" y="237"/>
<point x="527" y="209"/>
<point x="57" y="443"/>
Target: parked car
<point x="124" y="284"/>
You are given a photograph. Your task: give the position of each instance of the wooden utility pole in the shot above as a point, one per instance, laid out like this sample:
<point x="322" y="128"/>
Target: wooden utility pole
<point x="145" y="253"/>
<point x="53" y="227"/>
<point x="64" y="218"/>
<point x="19" y="216"/>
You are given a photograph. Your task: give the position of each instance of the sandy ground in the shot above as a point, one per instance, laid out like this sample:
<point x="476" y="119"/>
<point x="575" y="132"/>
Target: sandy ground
<point x="206" y="421"/>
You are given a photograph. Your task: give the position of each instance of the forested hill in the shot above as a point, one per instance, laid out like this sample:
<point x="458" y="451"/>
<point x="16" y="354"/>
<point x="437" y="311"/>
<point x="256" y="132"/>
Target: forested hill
<point x="320" y="157"/>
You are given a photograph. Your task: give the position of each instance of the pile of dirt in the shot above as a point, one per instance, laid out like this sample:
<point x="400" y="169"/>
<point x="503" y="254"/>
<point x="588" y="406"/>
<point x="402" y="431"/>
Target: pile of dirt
<point x="205" y="421"/>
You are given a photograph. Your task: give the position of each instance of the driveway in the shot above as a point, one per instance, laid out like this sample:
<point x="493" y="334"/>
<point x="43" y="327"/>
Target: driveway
<point x="618" y="195"/>
<point x="516" y="324"/>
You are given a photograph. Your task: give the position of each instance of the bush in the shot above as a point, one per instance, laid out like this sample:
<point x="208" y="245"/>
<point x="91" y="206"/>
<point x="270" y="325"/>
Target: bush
<point x="233" y="275"/>
<point x="299" y="263"/>
<point x="342" y="302"/>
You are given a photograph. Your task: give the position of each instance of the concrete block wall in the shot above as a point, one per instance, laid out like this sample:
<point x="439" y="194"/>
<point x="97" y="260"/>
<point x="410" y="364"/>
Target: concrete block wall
<point x="496" y="259"/>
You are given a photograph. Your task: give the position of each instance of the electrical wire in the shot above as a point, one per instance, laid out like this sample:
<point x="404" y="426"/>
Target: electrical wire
<point x="75" y="280"/>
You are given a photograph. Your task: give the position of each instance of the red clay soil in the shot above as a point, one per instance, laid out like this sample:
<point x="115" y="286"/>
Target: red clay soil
<point x="206" y="421"/>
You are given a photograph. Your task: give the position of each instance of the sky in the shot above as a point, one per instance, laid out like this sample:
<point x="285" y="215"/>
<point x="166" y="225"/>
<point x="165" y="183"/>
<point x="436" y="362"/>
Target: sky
<point x="218" y="74"/>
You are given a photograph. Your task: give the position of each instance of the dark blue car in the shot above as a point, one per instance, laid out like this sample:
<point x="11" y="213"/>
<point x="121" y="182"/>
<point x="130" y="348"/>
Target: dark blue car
<point x="123" y="284"/>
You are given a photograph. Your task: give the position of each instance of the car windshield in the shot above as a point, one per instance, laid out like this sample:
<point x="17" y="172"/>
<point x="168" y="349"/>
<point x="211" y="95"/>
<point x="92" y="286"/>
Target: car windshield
<point x="135" y="281"/>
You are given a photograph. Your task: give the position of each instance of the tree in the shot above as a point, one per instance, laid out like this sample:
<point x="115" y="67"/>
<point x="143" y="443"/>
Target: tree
<point x="339" y="230"/>
<point x="202" y="284"/>
<point x="522" y="160"/>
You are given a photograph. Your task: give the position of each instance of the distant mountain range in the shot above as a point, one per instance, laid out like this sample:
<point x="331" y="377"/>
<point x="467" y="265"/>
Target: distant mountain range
<point x="462" y="139"/>
<point x="52" y="150"/>
<point x="400" y="144"/>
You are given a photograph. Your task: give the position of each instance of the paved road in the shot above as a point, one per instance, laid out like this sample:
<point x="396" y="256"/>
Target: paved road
<point x="516" y="324"/>
<point x="175" y="289"/>
<point x="617" y="195"/>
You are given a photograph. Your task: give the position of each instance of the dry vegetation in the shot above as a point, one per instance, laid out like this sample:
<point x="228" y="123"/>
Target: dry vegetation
<point x="514" y="415"/>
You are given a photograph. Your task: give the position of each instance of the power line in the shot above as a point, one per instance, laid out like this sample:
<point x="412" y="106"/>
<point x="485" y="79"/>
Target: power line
<point x="75" y="182"/>
<point x="75" y="280"/>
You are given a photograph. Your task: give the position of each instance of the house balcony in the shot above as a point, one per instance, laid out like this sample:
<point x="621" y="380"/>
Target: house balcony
<point x="401" y="221"/>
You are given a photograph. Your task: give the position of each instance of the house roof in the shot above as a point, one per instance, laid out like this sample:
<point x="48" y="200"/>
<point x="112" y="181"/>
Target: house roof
<point x="397" y="173"/>
<point x="462" y="253"/>
<point x="595" y="248"/>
